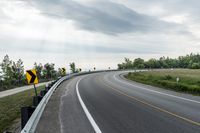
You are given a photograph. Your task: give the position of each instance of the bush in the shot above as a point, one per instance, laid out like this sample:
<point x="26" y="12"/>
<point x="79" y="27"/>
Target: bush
<point x="150" y="76"/>
<point x="168" y="77"/>
<point x="195" y="66"/>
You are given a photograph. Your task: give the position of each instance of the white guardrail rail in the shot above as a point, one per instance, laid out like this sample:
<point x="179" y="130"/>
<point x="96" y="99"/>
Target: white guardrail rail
<point x="31" y="125"/>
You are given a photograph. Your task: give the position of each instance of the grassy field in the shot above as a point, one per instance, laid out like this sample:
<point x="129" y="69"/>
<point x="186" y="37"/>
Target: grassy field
<point x="10" y="107"/>
<point x="189" y="79"/>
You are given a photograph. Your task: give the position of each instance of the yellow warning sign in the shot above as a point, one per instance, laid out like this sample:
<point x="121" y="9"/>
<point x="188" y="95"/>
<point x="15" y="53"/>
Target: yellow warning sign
<point x="31" y="76"/>
<point x="63" y="71"/>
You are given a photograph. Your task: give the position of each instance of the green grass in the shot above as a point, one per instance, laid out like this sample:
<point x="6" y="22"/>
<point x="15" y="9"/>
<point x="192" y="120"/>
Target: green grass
<point x="10" y="107"/>
<point x="189" y="79"/>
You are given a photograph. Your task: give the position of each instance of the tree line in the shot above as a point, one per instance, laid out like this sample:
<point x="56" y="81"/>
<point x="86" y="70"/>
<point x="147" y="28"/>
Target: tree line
<point x="12" y="74"/>
<point x="191" y="61"/>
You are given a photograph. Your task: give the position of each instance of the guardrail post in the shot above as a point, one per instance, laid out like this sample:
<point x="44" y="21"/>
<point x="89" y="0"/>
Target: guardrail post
<point x="36" y="100"/>
<point x="43" y="92"/>
<point x="26" y="113"/>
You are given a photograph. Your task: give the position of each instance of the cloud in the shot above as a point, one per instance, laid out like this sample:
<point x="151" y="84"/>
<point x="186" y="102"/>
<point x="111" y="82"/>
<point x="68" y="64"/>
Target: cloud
<point x="104" y="17"/>
<point x="62" y="31"/>
<point x="3" y="17"/>
<point x="161" y="8"/>
<point x="55" y="48"/>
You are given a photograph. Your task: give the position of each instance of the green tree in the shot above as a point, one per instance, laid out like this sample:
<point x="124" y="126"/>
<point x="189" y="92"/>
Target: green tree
<point x="120" y="66"/>
<point x="49" y="71"/>
<point x="138" y="63"/>
<point x="18" y="73"/>
<point x="128" y="63"/>
<point x="152" y="63"/>
<point x="72" y="67"/>
<point x="38" y="68"/>
<point x="162" y="62"/>
<point x="6" y="67"/>
<point x="188" y="61"/>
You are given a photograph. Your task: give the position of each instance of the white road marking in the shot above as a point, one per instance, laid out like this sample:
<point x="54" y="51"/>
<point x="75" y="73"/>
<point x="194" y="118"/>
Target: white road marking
<point x="156" y="91"/>
<point x="93" y="123"/>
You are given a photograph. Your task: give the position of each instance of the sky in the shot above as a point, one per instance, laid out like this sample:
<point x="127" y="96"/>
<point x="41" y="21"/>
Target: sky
<point x="97" y="33"/>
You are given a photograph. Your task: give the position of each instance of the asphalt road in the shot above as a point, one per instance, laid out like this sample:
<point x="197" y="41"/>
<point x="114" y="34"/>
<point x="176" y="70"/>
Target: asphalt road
<point x="105" y="102"/>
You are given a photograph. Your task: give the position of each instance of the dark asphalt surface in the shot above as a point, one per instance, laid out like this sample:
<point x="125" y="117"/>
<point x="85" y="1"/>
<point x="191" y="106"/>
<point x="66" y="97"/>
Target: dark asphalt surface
<point x="120" y="106"/>
<point x="63" y="113"/>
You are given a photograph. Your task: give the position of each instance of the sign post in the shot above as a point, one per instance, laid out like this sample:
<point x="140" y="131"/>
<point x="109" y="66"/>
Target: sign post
<point x="177" y="80"/>
<point x="35" y="90"/>
<point x="32" y="78"/>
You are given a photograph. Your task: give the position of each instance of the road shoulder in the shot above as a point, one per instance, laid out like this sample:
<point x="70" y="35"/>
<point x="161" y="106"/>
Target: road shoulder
<point x="49" y="122"/>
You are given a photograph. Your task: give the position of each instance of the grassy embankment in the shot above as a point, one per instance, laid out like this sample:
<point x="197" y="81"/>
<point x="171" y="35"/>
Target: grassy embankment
<point x="189" y="79"/>
<point x="10" y="107"/>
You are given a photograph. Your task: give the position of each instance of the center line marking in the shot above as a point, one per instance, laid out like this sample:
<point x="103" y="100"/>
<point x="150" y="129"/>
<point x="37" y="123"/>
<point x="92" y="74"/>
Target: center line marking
<point x="153" y="106"/>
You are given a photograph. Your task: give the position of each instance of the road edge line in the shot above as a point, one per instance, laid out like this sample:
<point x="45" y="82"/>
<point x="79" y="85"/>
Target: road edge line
<point x="158" y="92"/>
<point x="89" y="116"/>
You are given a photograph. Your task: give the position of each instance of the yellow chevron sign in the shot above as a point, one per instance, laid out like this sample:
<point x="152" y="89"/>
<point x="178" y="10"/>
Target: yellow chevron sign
<point x="63" y="71"/>
<point x="31" y="76"/>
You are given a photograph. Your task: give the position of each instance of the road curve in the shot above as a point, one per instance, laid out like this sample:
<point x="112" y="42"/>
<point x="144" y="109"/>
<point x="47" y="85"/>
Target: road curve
<point x="116" y="105"/>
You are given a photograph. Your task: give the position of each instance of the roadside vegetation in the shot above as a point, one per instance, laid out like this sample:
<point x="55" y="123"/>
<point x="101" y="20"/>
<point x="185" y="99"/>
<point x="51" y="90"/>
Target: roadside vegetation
<point x="189" y="79"/>
<point x="191" y="61"/>
<point x="12" y="74"/>
<point x="189" y="75"/>
<point x="10" y="107"/>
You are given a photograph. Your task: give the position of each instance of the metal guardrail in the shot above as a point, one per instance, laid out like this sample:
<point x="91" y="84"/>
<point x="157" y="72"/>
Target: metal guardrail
<point x="35" y="117"/>
<point x="31" y="125"/>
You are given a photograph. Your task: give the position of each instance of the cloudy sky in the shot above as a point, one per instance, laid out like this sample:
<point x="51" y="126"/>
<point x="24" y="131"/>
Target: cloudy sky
<point x="97" y="33"/>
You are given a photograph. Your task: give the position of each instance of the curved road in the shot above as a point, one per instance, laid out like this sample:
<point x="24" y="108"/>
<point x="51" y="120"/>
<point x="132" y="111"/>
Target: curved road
<point x="108" y="103"/>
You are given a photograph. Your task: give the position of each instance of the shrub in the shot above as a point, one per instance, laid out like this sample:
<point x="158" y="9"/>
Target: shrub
<point x="195" y="66"/>
<point x="168" y="77"/>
